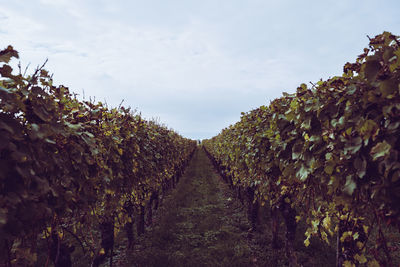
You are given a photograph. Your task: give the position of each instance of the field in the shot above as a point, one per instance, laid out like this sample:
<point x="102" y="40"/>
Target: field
<point x="312" y="179"/>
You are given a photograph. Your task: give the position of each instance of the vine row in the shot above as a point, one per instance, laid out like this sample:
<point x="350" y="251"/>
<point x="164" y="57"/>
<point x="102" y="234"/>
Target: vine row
<point x="328" y="155"/>
<point x="75" y="172"/>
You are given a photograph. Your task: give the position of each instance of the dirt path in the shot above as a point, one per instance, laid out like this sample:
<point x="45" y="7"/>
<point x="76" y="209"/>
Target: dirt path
<point x="199" y="224"/>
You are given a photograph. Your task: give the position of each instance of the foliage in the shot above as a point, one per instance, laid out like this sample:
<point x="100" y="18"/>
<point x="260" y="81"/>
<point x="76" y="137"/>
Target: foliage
<point x="332" y="151"/>
<point x="67" y="165"/>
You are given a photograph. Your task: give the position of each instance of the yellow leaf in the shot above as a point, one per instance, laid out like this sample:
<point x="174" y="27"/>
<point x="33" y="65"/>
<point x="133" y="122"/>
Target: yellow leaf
<point x="373" y="263"/>
<point x="365" y="229"/>
<point x="348" y="264"/>
<point x="109" y="191"/>
<point x="44" y="234"/>
<point x="325" y="237"/>
<point x="102" y="252"/>
<point x="298" y="218"/>
<point x="355" y="236"/>
<point x="345" y="235"/>
<point x="327" y="222"/>
<point x="360" y="258"/>
<point x="307" y="242"/>
<point x="315" y="223"/>
<point x="330" y="232"/>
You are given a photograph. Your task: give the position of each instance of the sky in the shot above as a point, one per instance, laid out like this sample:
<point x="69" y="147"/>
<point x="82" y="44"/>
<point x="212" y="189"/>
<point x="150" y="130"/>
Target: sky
<point x="192" y="65"/>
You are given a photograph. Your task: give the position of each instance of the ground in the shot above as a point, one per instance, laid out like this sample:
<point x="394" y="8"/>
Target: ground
<point x="201" y="223"/>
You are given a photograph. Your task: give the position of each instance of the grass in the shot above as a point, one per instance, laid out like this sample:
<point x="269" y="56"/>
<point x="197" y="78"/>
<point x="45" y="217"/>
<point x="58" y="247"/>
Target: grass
<point x="202" y="224"/>
<point x="196" y="227"/>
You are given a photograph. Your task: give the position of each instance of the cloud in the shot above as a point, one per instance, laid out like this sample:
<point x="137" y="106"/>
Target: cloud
<point x="195" y="65"/>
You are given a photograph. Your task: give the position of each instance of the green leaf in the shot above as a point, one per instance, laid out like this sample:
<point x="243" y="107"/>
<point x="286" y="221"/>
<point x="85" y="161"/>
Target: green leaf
<point x="50" y="141"/>
<point x="74" y="127"/>
<point x="395" y="62"/>
<point x="350" y="185"/>
<point x="360" y="165"/>
<point x="294" y="104"/>
<point x="371" y="69"/>
<point x="7" y="54"/>
<point x="5" y="90"/>
<point x="388" y="87"/>
<point x="303" y="173"/>
<point x="353" y="146"/>
<point x="328" y="156"/>
<point x="42" y="113"/>
<point x="340" y="122"/>
<point x="6" y="71"/>
<point x="36" y="132"/>
<point x="297" y="151"/>
<point x="380" y="150"/>
<point x="329" y="169"/>
<point x="368" y="129"/>
<point x="351" y="89"/>
<point x="306" y="124"/>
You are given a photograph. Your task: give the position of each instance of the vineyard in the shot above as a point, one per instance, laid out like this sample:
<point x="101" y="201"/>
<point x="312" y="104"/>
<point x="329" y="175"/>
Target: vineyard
<point x="75" y="171"/>
<point x="78" y="179"/>
<point x="328" y="155"/>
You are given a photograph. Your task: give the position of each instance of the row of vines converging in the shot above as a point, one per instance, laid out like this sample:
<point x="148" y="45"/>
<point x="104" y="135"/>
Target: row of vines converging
<point x="328" y="155"/>
<point x="75" y="172"/>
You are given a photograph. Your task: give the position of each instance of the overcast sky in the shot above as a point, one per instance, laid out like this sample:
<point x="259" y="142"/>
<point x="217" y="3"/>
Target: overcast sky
<point x="194" y="65"/>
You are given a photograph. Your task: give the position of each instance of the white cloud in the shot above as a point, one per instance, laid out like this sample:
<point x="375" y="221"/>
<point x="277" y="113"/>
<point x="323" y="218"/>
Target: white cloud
<point x="194" y="65"/>
<point x="14" y="25"/>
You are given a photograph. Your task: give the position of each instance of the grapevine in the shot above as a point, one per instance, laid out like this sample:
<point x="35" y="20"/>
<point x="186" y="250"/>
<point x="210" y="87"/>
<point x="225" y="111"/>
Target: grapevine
<point x="328" y="154"/>
<point x="75" y="171"/>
